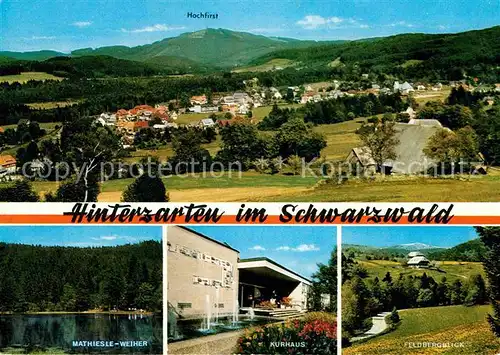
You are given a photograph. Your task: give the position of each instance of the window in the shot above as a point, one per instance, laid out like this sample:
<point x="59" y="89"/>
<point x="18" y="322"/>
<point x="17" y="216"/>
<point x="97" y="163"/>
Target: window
<point x="183" y="305"/>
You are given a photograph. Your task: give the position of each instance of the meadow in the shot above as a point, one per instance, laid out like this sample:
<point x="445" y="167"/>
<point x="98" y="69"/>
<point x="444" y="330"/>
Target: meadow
<point x="422" y="97"/>
<point x="48" y="126"/>
<point x="258" y="114"/>
<point x="465" y="327"/>
<point x="194" y="187"/>
<point x="452" y="270"/>
<point x="270" y="65"/>
<point x="52" y="104"/>
<point x="400" y="189"/>
<point x="27" y="76"/>
<point x="255" y="187"/>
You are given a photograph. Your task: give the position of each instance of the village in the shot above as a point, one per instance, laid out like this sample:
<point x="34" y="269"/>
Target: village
<point x="219" y="109"/>
<point x="147" y="130"/>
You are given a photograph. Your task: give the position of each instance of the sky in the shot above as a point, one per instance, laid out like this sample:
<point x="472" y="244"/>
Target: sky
<point x="65" y="25"/>
<point x="79" y="236"/>
<point x="443" y="236"/>
<point x="298" y="248"/>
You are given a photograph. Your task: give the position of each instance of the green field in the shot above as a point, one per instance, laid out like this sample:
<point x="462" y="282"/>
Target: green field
<point x="48" y="126"/>
<point x="422" y="97"/>
<point x="466" y="327"/>
<point x="24" y="77"/>
<point x="259" y="113"/>
<point x="478" y="189"/>
<point x="256" y="187"/>
<point x="250" y="185"/>
<point x="340" y="138"/>
<point x="190" y="118"/>
<point x="270" y="65"/>
<point x="51" y="104"/>
<point x="452" y="270"/>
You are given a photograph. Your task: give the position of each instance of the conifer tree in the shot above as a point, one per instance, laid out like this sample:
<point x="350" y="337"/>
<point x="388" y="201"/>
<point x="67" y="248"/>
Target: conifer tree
<point x="491" y="262"/>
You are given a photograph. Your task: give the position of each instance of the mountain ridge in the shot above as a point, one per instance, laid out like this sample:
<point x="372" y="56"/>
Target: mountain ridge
<point x="414" y="55"/>
<point x="216" y="47"/>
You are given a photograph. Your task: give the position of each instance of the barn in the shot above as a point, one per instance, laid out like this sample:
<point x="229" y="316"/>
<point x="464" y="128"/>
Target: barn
<point x="419" y="262"/>
<point x="411" y="158"/>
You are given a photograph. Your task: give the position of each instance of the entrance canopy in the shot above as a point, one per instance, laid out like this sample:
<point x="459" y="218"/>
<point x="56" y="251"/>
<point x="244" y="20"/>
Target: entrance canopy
<point x="262" y="279"/>
<point x="268" y="270"/>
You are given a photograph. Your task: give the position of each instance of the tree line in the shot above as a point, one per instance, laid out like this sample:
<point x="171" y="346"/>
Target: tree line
<point x="54" y="278"/>
<point x="413" y="56"/>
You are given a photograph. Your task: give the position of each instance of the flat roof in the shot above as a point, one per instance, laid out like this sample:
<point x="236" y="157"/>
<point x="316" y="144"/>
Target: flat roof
<point x="208" y="238"/>
<point x="275" y="264"/>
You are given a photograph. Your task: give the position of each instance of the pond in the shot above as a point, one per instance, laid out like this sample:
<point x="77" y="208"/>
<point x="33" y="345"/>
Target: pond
<point x="195" y="328"/>
<point x="81" y="333"/>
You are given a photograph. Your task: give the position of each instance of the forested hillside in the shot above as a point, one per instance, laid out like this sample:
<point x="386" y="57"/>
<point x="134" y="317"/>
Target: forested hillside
<point x="476" y="53"/>
<point x="102" y="66"/>
<point x="55" y="278"/>
<point x="473" y="250"/>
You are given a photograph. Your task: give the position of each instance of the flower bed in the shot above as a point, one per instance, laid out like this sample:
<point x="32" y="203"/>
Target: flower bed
<point x="313" y="335"/>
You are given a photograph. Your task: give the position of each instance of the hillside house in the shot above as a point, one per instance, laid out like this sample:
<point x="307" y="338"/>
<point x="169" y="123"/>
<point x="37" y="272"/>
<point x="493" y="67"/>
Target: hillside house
<point x="243" y="109"/>
<point x="126" y="127"/>
<point x="418" y="262"/>
<point x="206" y="122"/>
<point x="8" y="164"/>
<point x="138" y="125"/>
<point x="410" y="157"/>
<point x="437" y="87"/>
<point x="198" y="100"/>
<point x="23" y="121"/>
<point x="195" y="109"/>
<point x="404" y="88"/>
<point x="241" y="98"/>
<point x="413" y="254"/>
<point x="489" y="100"/>
<point x="411" y="112"/>
<point x="160" y="127"/>
<point x="360" y="158"/>
<point x="228" y="100"/>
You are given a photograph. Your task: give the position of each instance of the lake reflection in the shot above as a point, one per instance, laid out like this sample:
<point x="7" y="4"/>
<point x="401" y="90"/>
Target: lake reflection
<point x="57" y="332"/>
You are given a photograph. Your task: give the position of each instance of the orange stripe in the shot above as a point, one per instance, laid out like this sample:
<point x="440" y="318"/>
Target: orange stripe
<point x="231" y="219"/>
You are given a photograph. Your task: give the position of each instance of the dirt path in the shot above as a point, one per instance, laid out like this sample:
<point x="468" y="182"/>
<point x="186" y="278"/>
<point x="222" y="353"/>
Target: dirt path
<point x="378" y="326"/>
<point x="232" y="194"/>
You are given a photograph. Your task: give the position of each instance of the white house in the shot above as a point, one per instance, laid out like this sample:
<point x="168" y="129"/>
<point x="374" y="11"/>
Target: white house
<point x="207" y="122"/>
<point x="411" y="112"/>
<point x="437" y="87"/>
<point x="418" y="262"/>
<point x="195" y="109"/>
<point x="404" y="88"/>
